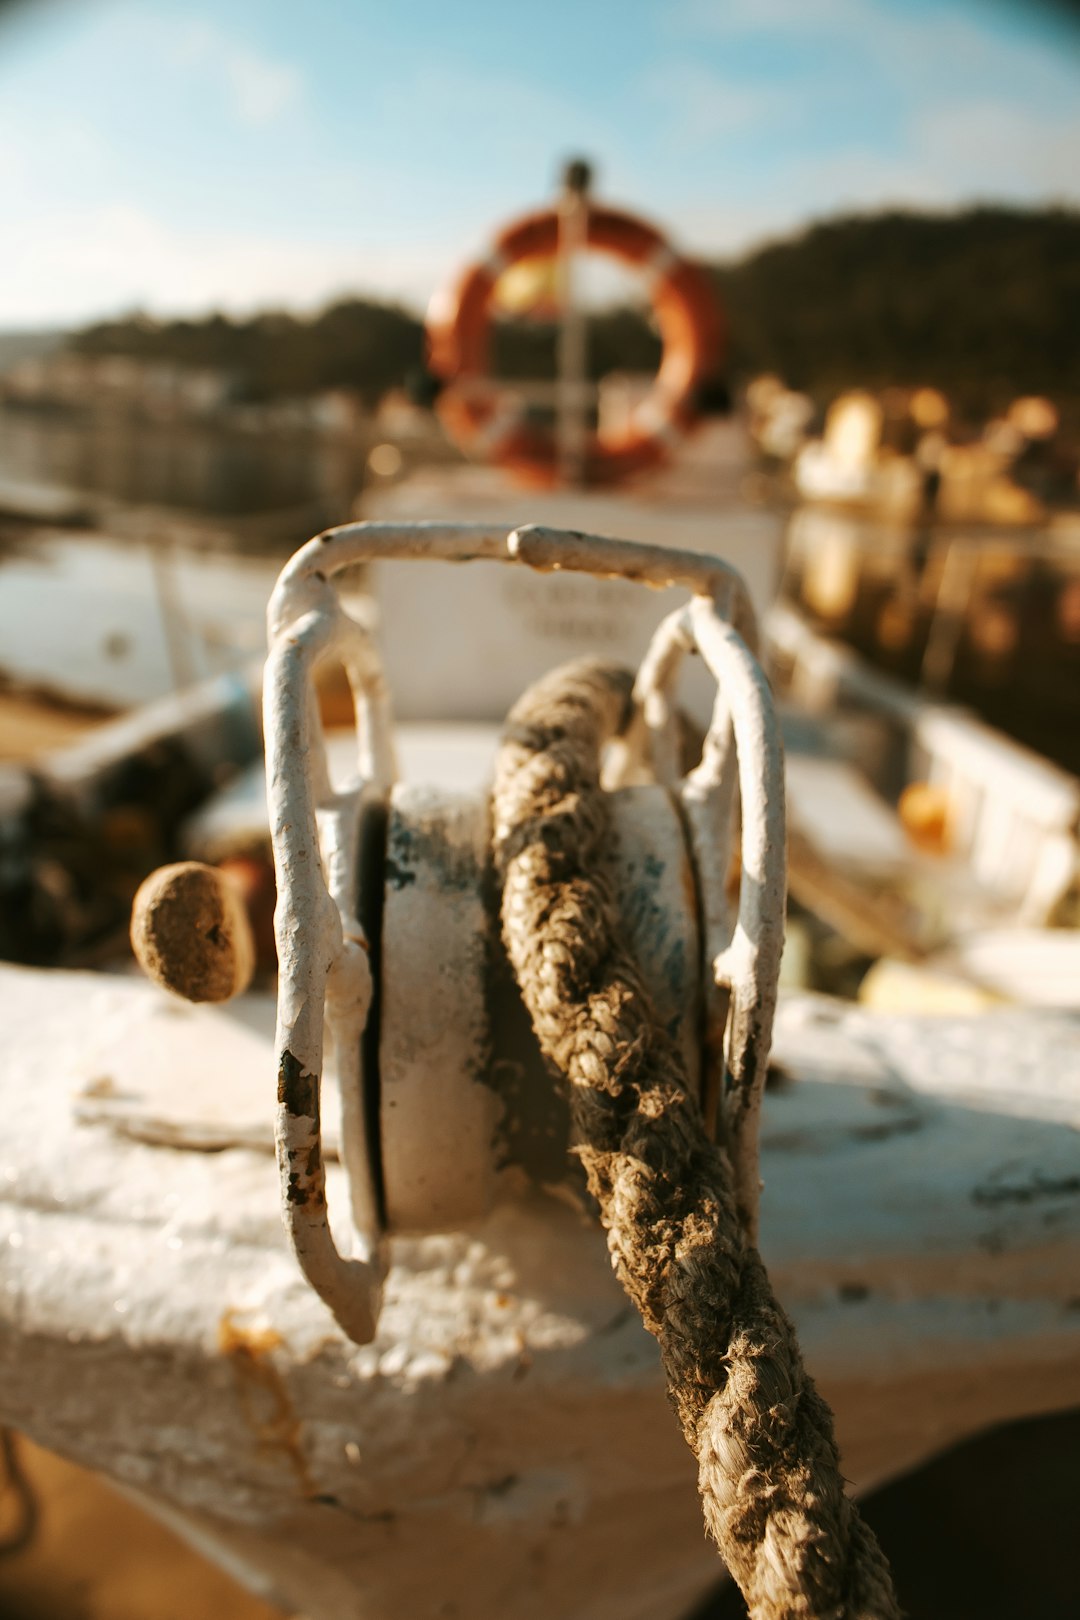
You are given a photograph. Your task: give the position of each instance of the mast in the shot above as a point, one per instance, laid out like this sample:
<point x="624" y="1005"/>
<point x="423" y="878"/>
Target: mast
<point x="571" y="426"/>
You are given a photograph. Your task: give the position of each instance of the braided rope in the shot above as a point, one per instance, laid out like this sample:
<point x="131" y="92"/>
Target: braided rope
<point x="769" y="1470"/>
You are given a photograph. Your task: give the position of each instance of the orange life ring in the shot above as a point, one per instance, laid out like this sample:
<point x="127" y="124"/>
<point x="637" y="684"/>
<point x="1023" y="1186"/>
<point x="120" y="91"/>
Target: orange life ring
<point x="691" y="327"/>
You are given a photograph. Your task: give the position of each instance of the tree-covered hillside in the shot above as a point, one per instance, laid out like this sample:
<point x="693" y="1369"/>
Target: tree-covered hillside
<point x="984" y="304"/>
<point x="355" y="343"/>
<point x="981" y="303"/>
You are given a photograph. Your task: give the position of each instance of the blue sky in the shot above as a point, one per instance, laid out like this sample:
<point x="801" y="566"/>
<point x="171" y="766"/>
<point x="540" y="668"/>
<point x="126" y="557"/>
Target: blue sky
<point x="249" y="153"/>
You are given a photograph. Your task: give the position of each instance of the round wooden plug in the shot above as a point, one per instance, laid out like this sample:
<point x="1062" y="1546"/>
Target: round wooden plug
<point x="190" y="932"/>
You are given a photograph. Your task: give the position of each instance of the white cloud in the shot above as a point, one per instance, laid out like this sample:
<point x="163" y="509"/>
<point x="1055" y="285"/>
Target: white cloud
<point x="69" y="267"/>
<point x="850" y="183"/>
<point x="992" y="147"/>
<point x="947" y="47"/>
<point x="967" y="151"/>
<point x="262" y="89"/>
<point x="259" y="89"/>
<point x="976" y="114"/>
<point x="702" y="105"/>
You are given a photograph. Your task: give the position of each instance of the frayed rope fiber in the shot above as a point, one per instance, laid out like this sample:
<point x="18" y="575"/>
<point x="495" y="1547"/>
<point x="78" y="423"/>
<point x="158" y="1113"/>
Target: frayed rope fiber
<point x="768" y="1466"/>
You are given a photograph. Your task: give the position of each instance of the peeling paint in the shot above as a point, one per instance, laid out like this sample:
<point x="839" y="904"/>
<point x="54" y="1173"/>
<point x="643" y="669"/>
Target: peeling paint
<point x="298" y="1091"/>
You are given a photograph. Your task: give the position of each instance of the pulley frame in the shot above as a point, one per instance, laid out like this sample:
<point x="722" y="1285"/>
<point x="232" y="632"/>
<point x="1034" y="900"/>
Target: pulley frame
<point x="331" y="929"/>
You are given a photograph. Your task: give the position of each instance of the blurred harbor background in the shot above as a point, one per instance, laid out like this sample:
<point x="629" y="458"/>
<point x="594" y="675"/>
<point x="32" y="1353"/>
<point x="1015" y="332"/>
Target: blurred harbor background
<point x="149" y="491"/>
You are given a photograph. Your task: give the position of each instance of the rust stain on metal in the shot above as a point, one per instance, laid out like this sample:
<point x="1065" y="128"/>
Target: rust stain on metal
<point x="264" y="1396"/>
<point x="302" y="1195"/>
<point x="298" y="1091"/>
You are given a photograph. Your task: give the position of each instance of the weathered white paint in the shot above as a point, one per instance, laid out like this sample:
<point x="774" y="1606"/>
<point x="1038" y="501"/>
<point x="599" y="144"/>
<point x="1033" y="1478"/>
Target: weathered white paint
<point x="325" y="981"/>
<point x="743" y="747"/>
<point x="487" y="634"/>
<point x="464" y="1094"/>
<point x="438" y="1112"/>
<point x="506" y="1439"/>
<point x="324" y="973"/>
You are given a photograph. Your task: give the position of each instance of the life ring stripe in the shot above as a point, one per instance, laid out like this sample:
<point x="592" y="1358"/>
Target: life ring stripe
<point x="496" y="263"/>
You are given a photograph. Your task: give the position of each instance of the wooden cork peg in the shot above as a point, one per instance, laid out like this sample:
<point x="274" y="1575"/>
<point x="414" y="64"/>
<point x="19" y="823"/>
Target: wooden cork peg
<point x="190" y="932"/>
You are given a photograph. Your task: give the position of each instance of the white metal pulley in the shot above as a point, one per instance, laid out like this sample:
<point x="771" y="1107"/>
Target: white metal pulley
<point x="391" y="967"/>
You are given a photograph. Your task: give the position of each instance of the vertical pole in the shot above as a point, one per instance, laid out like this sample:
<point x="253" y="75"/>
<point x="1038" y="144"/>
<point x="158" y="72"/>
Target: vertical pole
<point x="174" y="620"/>
<point x="571" y="431"/>
<point x="952" y="609"/>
